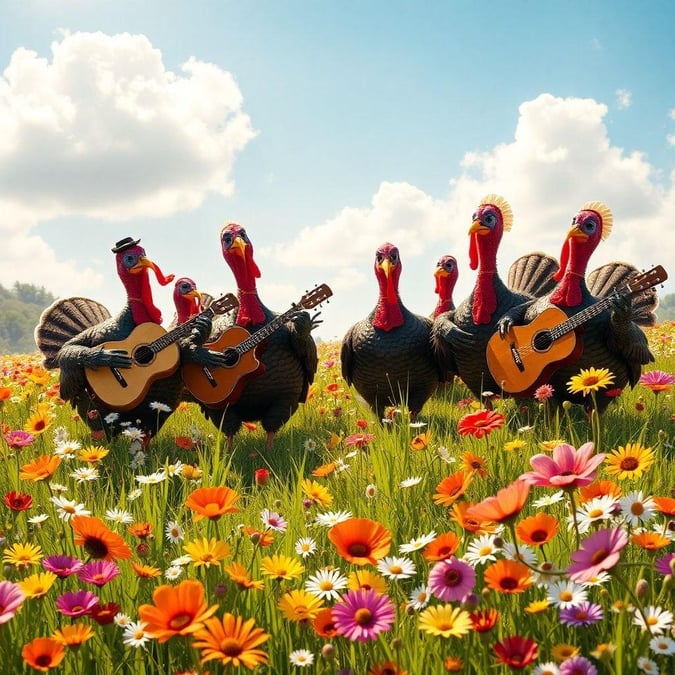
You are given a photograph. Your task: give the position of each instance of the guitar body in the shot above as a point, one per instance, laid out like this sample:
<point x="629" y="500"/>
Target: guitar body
<point x="219" y="386"/>
<point x="526" y="356"/>
<point x="125" y="388"/>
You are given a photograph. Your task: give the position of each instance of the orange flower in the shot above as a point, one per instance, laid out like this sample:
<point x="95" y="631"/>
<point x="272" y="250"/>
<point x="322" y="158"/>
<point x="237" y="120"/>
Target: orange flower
<point x="360" y="540"/>
<point x="458" y="513"/>
<point x="251" y="426"/>
<point x="537" y="530"/>
<point x="177" y="610"/>
<point x="599" y="488"/>
<point x="651" y="541"/>
<point x="508" y="576"/>
<point x="41" y="468"/>
<point x="140" y="530"/>
<point x="184" y="442"/>
<point x="387" y="668"/>
<point x="323" y="624"/>
<point x="212" y="502"/>
<point x="441" y="548"/>
<point x="453" y="664"/>
<point x="5" y="393"/>
<point x="450" y="489"/>
<point x="98" y="540"/>
<point x="239" y="574"/>
<point x="420" y="442"/>
<point x="474" y="464"/>
<point x="146" y="571"/>
<point x="259" y="537"/>
<point x="665" y="505"/>
<point x="43" y="653"/>
<point x="324" y="470"/>
<point x="506" y="505"/>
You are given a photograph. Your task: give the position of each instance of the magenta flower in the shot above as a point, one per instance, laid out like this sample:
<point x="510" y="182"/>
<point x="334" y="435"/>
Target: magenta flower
<point x="98" y="572"/>
<point x="657" y="380"/>
<point x="62" y="565"/>
<point x="662" y="565"/>
<point x="11" y="598"/>
<point x="18" y="439"/>
<point x="578" y="665"/>
<point x="451" y="579"/>
<point x="76" y="603"/>
<point x="583" y="614"/>
<point x="362" y="614"/>
<point x="598" y="553"/>
<point x="567" y="469"/>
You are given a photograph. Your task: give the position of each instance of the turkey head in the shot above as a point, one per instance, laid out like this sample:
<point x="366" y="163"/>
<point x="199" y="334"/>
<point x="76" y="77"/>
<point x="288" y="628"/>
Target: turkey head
<point x="187" y="299"/>
<point x="388" y="314"/>
<point x="446" y="275"/>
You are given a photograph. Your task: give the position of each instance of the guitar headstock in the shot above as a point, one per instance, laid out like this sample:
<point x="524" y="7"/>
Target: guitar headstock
<point x="224" y="304"/>
<point x="315" y="297"/>
<point x="652" y="277"/>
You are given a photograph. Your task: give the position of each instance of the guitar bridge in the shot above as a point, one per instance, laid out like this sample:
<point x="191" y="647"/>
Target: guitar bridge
<point x="516" y="357"/>
<point x="209" y="377"/>
<point x="119" y="377"/>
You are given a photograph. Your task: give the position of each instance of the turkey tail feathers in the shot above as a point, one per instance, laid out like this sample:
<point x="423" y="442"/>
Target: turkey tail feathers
<point x="603" y="280"/>
<point x="532" y="274"/>
<point x="63" y="320"/>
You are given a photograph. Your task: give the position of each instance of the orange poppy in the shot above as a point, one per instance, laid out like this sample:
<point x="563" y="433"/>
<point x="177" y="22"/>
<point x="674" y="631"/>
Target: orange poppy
<point x="41" y="468"/>
<point x="599" y="488"/>
<point x="140" y="530"/>
<point x="387" y="668"/>
<point x="441" y="548"/>
<point x="146" y="571"/>
<point x="508" y="576"/>
<point x="505" y="506"/>
<point x="324" y="470"/>
<point x="665" y="505"/>
<point x="650" y="541"/>
<point x="259" y="537"/>
<point x="458" y="513"/>
<point x="177" y="610"/>
<point x="450" y="489"/>
<point x="538" y="529"/>
<point x="474" y="464"/>
<point x="323" y="624"/>
<point x="43" y="653"/>
<point x="98" y="540"/>
<point x="212" y="502"/>
<point x="360" y="540"/>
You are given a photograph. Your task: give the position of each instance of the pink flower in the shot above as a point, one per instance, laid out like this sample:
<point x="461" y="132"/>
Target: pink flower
<point x="11" y="598"/>
<point x="567" y="469"/>
<point x="18" y="439"/>
<point x="362" y="614"/>
<point x="359" y="440"/>
<point x="62" y="565"/>
<point x="76" y="603"/>
<point x="98" y="572"/>
<point x="599" y="552"/>
<point x="451" y="579"/>
<point x="543" y="393"/>
<point x="657" y="380"/>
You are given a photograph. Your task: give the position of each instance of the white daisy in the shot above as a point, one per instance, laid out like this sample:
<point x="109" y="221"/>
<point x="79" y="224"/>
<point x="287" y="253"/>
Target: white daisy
<point x="658" y="620"/>
<point x="309" y="445"/>
<point x="137" y="460"/>
<point x="393" y="567"/>
<point x="371" y="490"/>
<point x="660" y="644"/>
<point x="67" y="508"/>
<point x="181" y="561"/>
<point x="152" y="478"/>
<point x="38" y="519"/>
<point x="330" y="518"/>
<point x="593" y="511"/>
<point x="58" y="488"/>
<point x="417" y="425"/>
<point x="60" y="434"/>
<point x="305" y="546"/>
<point x="67" y="449"/>
<point x="444" y="455"/>
<point x="549" y="500"/>
<point x="637" y="509"/>
<point x="273" y="520"/>
<point x="564" y="593"/>
<point x="111" y="418"/>
<point x="548" y="668"/>
<point x="173" y="532"/>
<point x="134" y="634"/>
<point x="84" y="474"/>
<point x="481" y="550"/>
<point x="134" y="494"/>
<point x="547" y="575"/>
<point x="160" y="407"/>
<point x="341" y="465"/>
<point x="417" y="543"/>
<point x="121" y="619"/>
<point x="301" y="658"/>
<point x="326" y="583"/>
<point x="419" y="597"/>
<point x="173" y="572"/>
<point x="175" y="468"/>
<point x="119" y="516"/>
<point x="524" y="553"/>
<point x="598" y="580"/>
<point x="409" y="482"/>
<point x="133" y="434"/>
<point x="647" y="666"/>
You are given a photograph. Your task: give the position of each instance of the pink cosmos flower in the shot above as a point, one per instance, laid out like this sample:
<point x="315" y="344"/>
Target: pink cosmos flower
<point x="18" y="439"/>
<point x="98" y="572"/>
<point x="662" y="565"/>
<point x="62" y="565"/>
<point x="567" y="469"/>
<point x="76" y="603"/>
<point x="362" y="614"/>
<point x="657" y="380"/>
<point x="599" y="552"/>
<point x="11" y="598"/>
<point x="451" y="579"/>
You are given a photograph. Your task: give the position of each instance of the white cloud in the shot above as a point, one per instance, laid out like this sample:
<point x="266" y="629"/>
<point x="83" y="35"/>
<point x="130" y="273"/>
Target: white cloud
<point x="624" y="99"/>
<point x="671" y="139"/>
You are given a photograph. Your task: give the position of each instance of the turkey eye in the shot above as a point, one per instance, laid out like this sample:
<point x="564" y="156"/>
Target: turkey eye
<point x="449" y="266"/>
<point x="394" y="258"/>
<point x="589" y="226"/>
<point x="474" y="216"/>
<point x="227" y="239"/>
<point x="185" y="287"/>
<point x="489" y="219"/>
<point x="129" y="260"/>
<point x="379" y="258"/>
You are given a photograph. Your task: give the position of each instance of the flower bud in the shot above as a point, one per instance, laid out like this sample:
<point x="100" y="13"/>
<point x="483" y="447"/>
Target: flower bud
<point x="566" y="405"/>
<point x="261" y="477"/>
<point x="220" y="590"/>
<point x="396" y="643"/>
<point x="498" y="542"/>
<point x="142" y="550"/>
<point x="642" y="588"/>
<point x="328" y="652"/>
<point x="470" y="602"/>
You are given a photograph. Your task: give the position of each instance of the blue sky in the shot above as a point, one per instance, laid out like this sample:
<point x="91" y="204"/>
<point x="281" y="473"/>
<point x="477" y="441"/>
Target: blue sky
<point x="326" y="129"/>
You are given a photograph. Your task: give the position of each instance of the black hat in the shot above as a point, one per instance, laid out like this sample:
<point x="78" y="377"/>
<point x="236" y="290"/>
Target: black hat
<point x="124" y="244"/>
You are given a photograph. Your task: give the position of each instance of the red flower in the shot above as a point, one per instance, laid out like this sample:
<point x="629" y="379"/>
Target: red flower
<point x="480" y="423"/>
<point x="516" y="652"/>
<point x="185" y="442"/>
<point x="261" y="476"/>
<point x="18" y="501"/>
<point x="104" y="614"/>
<point x="359" y="440"/>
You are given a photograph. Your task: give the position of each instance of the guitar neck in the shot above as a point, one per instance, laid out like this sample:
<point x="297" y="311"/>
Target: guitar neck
<point x="267" y="330"/>
<point x="178" y="332"/>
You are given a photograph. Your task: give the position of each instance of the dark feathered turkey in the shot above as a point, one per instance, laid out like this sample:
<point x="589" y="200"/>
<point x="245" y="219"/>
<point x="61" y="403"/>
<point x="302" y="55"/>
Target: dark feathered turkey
<point x="288" y="355"/>
<point x="460" y="337"/>
<point x="387" y="356"/>
<point x="70" y="335"/>
<point x="611" y="340"/>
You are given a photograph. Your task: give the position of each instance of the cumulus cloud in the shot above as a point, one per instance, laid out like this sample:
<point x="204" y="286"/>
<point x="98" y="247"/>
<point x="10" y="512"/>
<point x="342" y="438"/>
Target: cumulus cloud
<point x="624" y="99"/>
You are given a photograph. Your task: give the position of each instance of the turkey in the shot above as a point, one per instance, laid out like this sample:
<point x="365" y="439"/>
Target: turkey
<point x="460" y="337"/>
<point x="71" y="333"/>
<point x="446" y="275"/>
<point x="611" y="338"/>
<point x="288" y="357"/>
<point x="387" y="356"/>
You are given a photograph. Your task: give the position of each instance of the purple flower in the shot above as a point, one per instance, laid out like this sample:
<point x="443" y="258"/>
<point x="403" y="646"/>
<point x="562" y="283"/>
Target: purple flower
<point x="99" y="572"/>
<point x="599" y="552"/>
<point x="62" y="565"/>
<point x="657" y="380"/>
<point x="362" y="614"/>
<point x="76" y="603"/>
<point x="662" y="565"/>
<point x="578" y="665"/>
<point x="18" y="438"/>
<point x="451" y="579"/>
<point x="11" y="598"/>
<point x="583" y="614"/>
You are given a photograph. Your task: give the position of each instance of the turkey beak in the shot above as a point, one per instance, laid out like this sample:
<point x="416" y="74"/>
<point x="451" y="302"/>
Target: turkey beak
<point x="440" y="273"/>
<point x="239" y="247"/>
<point x="193" y="294"/>
<point x="144" y="263"/>
<point x="576" y="233"/>
<point x="387" y="267"/>
<point x="478" y="228"/>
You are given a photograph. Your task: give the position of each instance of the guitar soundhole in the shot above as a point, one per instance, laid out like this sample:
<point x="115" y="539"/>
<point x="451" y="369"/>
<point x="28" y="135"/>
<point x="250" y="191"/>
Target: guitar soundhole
<point x="231" y="357"/>
<point x="542" y="341"/>
<point x="143" y="355"/>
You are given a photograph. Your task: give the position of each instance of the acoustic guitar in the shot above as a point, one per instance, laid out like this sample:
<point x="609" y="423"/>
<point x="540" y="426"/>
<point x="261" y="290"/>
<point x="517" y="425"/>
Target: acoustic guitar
<point x="154" y="354"/>
<point x="222" y="385"/>
<point x="527" y="355"/>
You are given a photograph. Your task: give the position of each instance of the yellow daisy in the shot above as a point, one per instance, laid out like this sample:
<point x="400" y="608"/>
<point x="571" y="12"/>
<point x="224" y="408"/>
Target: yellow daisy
<point x="512" y="446"/>
<point x="299" y="605"/>
<point x="37" y="585"/>
<point x="445" y="620"/>
<point x="281" y="567"/>
<point x="562" y="651"/>
<point x="537" y="606"/>
<point x="73" y="635"/>
<point x="207" y="551"/>
<point x="92" y="454"/>
<point x="22" y="555"/>
<point x="629" y="461"/>
<point x="366" y="579"/>
<point x="590" y="380"/>
<point x="316" y="492"/>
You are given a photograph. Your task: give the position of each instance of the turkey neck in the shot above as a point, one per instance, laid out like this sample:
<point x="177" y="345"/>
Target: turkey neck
<point x="251" y="310"/>
<point x="443" y="305"/>
<point x="139" y="298"/>
<point x="485" y="290"/>
<point x="572" y="288"/>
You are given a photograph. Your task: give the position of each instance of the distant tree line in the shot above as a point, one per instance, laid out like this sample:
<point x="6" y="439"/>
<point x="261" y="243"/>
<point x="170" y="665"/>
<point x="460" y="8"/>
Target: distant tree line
<point x="20" y="309"/>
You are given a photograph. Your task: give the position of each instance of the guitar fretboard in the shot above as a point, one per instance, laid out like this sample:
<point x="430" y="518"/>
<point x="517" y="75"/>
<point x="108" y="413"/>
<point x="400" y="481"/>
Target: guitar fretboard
<point x="584" y="315"/>
<point x="177" y="333"/>
<point x="257" y="337"/>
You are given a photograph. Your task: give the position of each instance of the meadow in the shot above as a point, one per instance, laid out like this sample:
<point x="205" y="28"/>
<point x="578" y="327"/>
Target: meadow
<point x="355" y="546"/>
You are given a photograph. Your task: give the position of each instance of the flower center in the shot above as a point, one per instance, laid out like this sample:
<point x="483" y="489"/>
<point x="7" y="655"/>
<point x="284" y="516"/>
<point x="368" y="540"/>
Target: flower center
<point x="486" y="550"/>
<point x="396" y="569"/>
<point x="358" y="550"/>
<point x="599" y="556"/>
<point x="629" y="464"/>
<point x="230" y="647"/>
<point x="539" y="535"/>
<point x="508" y="583"/>
<point x="363" y="616"/>
<point x="95" y="547"/>
<point x="43" y="660"/>
<point x="637" y="509"/>
<point x="179" y="621"/>
<point x="453" y="578"/>
<point x="566" y="596"/>
<point x="595" y="513"/>
<point x="326" y="585"/>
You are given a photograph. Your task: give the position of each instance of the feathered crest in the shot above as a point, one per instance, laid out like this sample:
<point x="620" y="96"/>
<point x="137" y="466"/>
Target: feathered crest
<point x="605" y="213"/>
<point x="503" y="206"/>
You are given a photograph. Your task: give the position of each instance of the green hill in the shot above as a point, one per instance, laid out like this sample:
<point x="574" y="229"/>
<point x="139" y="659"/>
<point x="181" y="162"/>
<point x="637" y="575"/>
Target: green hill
<point x="20" y="309"/>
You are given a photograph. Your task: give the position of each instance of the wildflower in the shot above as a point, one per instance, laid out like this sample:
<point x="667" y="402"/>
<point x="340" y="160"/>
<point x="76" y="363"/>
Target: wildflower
<point x="363" y="614"/>
<point x="578" y="665"/>
<point x="650" y="541"/>
<point x="548" y="668"/>
<point x="62" y="565"/>
<point x="582" y="614"/>
<point x="647" y="666"/>
<point x="392" y="567"/>
<point x="173" y="532"/>
<point x="445" y="620"/>
<point x="261" y="477"/>
<point x="508" y="576"/>
<point x="600" y="551"/>
<point x="358" y="440"/>
<point x="22" y="555"/>
<point x="481" y="550"/>
<point x="418" y="543"/>
<point x="453" y="664"/>
<point x="212" y="502"/>
<point x="323" y="623"/>
<point x="442" y="547"/>
<point x="39" y="421"/>
<point x="566" y="593"/>
<point x="11" y="598"/>
<point x="119" y="516"/>
<point x="43" y="653"/>
<point x="480" y="423"/>
<point x="516" y="652"/>
<point x="459" y="514"/>
<point x="665" y="505"/>
<point x="562" y="652"/>
<point x="152" y="478"/>
<point x="135" y="634"/>
<point x="592" y="512"/>
<point x="630" y="461"/>
<point x="18" y="438"/>
<point x="98" y="541"/>
<point x="367" y="580"/>
<point x="176" y="610"/>
<point x="73" y="635"/>
<point x="273" y="520"/>
<point x="512" y="446"/>
<point x="316" y="492"/>
<point x="543" y="393"/>
<point x="410" y="482"/>
<point x="76" y="603"/>
<point x="18" y="501"/>
<point x="38" y="519"/>
<point x="419" y="442"/>
<point x="305" y="546"/>
<point x="41" y="468"/>
<point x="419" y="597"/>
<point x="599" y="488"/>
<point x="662" y="645"/>
<point x="656" y="620"/>
<point x="505" y="506"/>
<point x="568" y="468"/>
<point x="324" y="470"/>
<point x="657" y="380"/>
<point x="37" y="585"/>
<point x="281" y="567"/>
<point x="537" y="607"/>
<point x="240" y="576"/>
<point x="474" y="464"/>
<point x="663" y="565"/>
<point x="537" y="530"/>
<point x="301" y="658"/>
<point x="451" y="579"/>
<point x="331" y="518"/>
<point x="207" y="552"/>
<point x="360" y="541"/>
<point x="160" y="407"/>
<point x="92" y="454"/>
<point x="299" y="605"/>
<point x="326" y="583"/>
<point x="141" y="530"/>
<point x="590" y="380"/>
<point x="450" y="489"/>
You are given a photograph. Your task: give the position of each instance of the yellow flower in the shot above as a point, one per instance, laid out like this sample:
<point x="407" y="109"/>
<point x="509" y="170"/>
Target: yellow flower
<point x="239" y="574"/>
<point x="37" y="585"/>
<point x="73" y="635"/>
<point x="561" y="652"/>
<point x="445" y="620"/>
<point x="40" y="420"/>
<point x="630" y="461"/>
<point x="299" y="605"/>
<point x="92" y="454"/>
<point x="207" y="552"/>
<point x="281" y="567"/>
<point x="420" y="442"/>
<point x="552" y="444"/>
<point x="511" y="446"/>
<point x="590" y="380"/>
<point x="537" y="607"/>
<point x="316" y="492"/>
<point x="366" y="579"/>
<point x="22" y="555"/>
